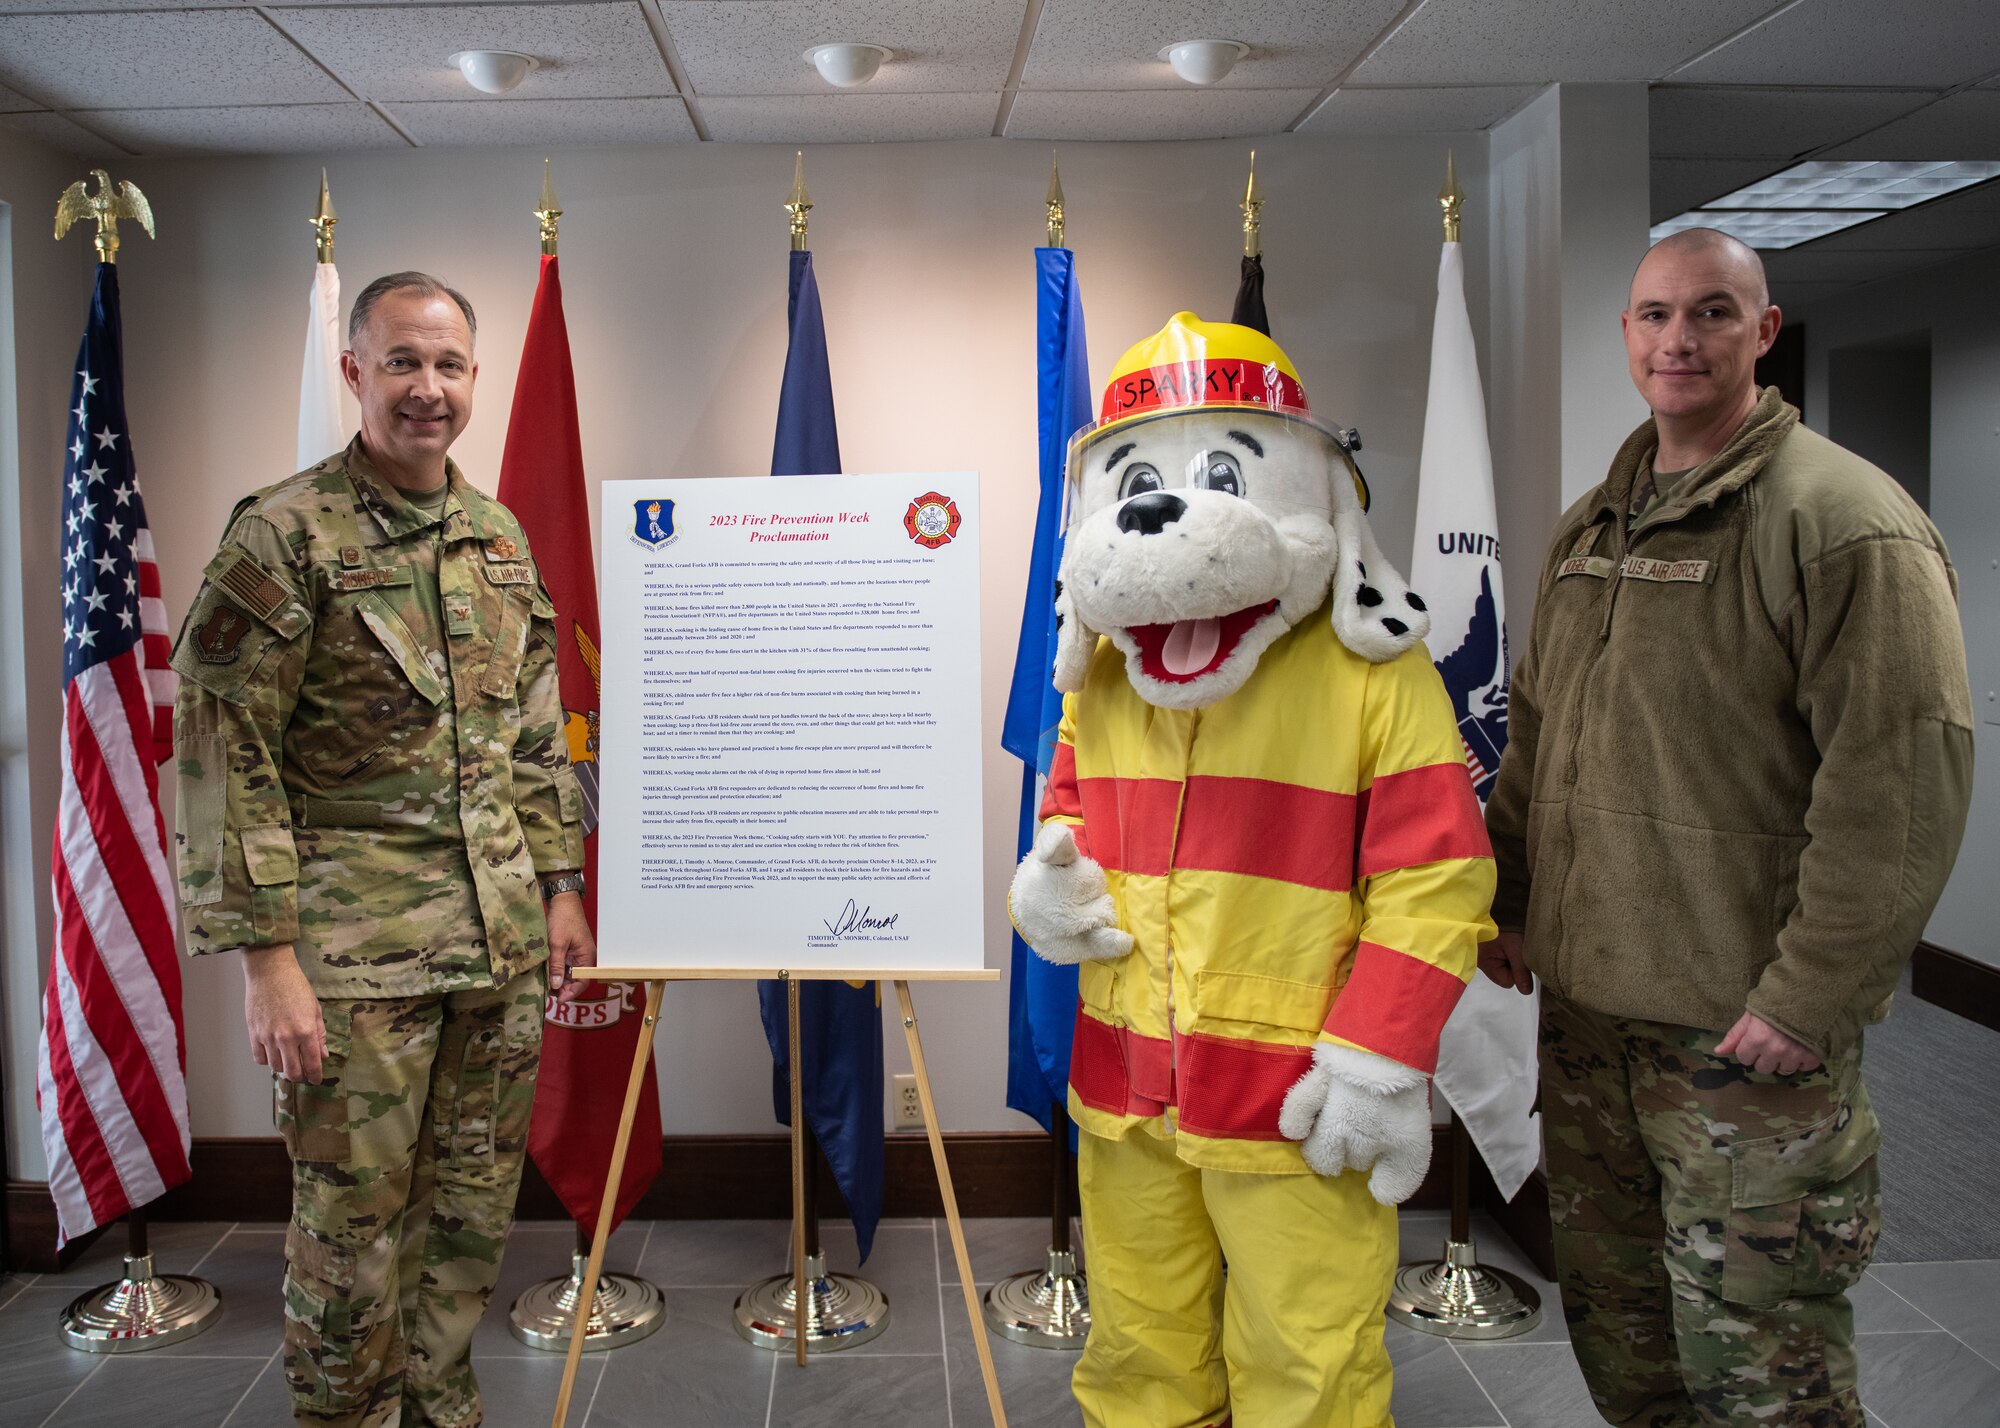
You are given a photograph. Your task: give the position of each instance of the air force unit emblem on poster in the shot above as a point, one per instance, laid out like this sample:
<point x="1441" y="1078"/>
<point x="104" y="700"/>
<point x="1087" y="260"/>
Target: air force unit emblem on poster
<point x="653" y="524"/>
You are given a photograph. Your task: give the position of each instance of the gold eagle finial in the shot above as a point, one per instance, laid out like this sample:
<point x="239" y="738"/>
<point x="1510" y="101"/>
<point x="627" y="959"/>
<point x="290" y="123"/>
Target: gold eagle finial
<point x="107" y="206"/>
<point x="1055" y="204"/>
<point x="1450" y="197"/>
<point x="1253" y="207"/>
<point x="323" y="221"/>
<point x="799" y="204"/>
<point x="548" y="211"/>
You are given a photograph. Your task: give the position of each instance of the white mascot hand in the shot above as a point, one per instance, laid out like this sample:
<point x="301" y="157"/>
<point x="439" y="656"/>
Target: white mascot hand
<point x="1060" y="905"/>
<point x="1355" y="1110"/>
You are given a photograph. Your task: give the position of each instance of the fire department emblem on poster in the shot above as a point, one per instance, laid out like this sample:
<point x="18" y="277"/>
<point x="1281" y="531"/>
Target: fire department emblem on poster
<point x="932" y="520"/>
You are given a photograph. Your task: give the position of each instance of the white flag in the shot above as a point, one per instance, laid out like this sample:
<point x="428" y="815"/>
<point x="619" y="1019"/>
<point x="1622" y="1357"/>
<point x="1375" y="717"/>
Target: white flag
<point x="1486" y="1060"/>
<point x="321" y="429"/>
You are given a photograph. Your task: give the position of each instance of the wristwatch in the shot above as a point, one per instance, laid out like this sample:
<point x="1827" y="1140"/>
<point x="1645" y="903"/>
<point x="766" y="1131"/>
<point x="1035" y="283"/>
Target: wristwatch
<point x="561" y="883"/>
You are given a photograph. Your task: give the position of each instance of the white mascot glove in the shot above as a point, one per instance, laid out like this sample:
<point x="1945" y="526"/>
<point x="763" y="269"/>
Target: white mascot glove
<point x="1355" y="1110"/>
<point x="1060" y="905"/>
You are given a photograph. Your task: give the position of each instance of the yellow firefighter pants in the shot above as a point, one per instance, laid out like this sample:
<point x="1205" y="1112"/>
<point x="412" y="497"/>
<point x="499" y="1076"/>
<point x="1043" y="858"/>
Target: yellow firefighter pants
<point x="1291" y="1337"/>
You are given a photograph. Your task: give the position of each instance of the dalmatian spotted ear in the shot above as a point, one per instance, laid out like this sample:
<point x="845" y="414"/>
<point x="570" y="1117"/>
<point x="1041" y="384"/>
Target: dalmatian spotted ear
<point x="1075" y="642"/>
<point x="1375" y="613"/>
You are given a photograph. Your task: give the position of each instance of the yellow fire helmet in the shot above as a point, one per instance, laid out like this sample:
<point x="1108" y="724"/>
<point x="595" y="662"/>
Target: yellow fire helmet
<point x="1190" y="364"/>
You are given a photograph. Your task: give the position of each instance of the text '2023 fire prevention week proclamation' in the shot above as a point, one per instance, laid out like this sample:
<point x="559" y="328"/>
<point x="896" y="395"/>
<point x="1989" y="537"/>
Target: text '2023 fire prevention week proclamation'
<point x="791" y="750"/>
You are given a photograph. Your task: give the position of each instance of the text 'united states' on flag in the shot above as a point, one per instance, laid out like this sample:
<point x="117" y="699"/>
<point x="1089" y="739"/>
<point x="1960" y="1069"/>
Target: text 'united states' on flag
<point x="111" y="1079"/>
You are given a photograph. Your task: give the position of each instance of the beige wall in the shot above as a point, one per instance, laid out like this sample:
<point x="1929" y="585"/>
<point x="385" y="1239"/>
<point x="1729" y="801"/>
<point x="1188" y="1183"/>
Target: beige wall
<point x="674" y="268"/>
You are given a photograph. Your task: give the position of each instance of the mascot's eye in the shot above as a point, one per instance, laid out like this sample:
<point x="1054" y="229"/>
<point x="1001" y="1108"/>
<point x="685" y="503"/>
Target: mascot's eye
<point x="1217" y="471"/>
<point x="1139" y="477"/>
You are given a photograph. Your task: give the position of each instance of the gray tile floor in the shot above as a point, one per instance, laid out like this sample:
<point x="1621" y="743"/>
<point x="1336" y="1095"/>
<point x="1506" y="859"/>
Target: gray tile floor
<point x="1930" y="1355"/>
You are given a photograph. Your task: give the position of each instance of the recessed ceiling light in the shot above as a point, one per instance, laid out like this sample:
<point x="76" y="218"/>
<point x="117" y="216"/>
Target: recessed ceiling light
<point x="1811" y="200"/>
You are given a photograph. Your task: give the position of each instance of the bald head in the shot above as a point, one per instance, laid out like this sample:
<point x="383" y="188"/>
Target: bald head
<point x="1713" y="247"/>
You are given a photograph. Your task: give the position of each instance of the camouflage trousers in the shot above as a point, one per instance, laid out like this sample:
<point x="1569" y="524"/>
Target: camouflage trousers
<point x="406" y="1159"/>
<point x="1709" y="1220"/>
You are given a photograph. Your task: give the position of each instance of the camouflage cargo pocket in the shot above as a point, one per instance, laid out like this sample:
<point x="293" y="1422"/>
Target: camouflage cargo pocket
<point x="319" y="1319"/>
<point x="314" y="1120"/>
<point x="1805" y="1209"/>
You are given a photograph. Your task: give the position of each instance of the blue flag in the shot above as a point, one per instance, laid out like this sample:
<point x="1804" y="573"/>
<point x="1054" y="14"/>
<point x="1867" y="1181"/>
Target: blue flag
<point x="840" y="1023"/>
<point x="1041" y="998"/>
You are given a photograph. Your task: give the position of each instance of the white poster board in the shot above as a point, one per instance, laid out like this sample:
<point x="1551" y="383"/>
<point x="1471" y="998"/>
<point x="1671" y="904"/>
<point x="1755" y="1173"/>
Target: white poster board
<point x="790" y="709"/>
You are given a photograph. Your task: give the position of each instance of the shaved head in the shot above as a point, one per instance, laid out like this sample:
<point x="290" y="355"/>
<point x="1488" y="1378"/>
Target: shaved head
<point x="1732" y="254"/>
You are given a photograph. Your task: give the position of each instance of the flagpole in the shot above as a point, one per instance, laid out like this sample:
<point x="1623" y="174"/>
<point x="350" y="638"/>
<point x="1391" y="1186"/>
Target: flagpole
<point x="1248" y="310"/>
<point x="809" y="1309"/>
<point x="1456" y="1297"/>
<point x="623" y="1307"/>
<point x="142" y="1310"/>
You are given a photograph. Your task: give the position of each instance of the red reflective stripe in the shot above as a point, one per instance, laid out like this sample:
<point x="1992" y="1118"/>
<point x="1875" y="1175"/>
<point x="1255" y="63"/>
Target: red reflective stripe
<point x="1098" y="1060"/>
<point x="1232" y="1090"/>
<point x="1059" y="794"/>
<point x="1266" y="829"/>
<point x="1223" y="381"/>
<point x="1422" y="815"/>
<point x="1395" y="1005"/>
<point x="1131" y="822"/>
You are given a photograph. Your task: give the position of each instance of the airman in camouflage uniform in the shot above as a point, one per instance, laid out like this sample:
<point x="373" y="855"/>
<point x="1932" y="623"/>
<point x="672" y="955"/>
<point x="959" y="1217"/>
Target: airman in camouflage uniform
<point x="1762" y="1189"/>
<point x="372" y="773"/>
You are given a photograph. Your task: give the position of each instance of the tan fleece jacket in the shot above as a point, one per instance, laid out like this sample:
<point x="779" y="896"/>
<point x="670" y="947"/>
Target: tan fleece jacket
<point x="1740" y="747"/>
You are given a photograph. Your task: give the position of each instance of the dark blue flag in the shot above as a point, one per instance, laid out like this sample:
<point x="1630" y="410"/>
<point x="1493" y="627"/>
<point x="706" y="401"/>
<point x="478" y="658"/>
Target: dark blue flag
<point x="1041" y="998"/>
<point x="840" y="1023"/>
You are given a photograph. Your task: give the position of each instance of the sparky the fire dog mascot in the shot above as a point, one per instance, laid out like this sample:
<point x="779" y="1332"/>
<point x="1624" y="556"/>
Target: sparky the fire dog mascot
<point x="1261" y="843"/>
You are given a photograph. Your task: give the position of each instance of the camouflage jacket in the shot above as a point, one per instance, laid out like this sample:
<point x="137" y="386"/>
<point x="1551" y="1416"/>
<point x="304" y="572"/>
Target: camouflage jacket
<point x="369" y="738"/>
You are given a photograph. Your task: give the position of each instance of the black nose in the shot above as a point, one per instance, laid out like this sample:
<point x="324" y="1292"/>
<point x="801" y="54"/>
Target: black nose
<point x="1151" y="513"/>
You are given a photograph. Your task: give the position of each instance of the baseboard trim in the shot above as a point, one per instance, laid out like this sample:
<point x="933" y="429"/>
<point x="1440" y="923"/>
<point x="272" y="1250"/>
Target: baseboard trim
<point x="709" y="1177"/>
<point x="1960" y="984"/>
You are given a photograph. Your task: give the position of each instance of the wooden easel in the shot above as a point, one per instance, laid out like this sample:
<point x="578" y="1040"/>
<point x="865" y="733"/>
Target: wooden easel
<point x="656" y="979"/>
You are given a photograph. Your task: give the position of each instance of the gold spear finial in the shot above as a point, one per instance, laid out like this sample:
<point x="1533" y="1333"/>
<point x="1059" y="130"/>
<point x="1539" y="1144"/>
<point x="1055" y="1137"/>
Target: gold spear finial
<point x="107" y="206"/>
<point x="324" y="220"/>
<point x="1449" y="198"/>
<point x="548" y="211"/>
<point x="1252" y="206"/>
<point x="1055" y="203"/>
<point x="799" y="204"/>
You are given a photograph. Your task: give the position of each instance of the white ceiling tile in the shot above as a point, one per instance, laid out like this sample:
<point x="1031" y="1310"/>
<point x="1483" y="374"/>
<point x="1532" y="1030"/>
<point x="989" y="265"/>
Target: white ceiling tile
<point x="59" y="133"/>
<point x="1416" y="111"/>
<point x="539" y="123"/>
<point x="13" y="103"/>
<point x="1965" y="126"/>
<point x="248" y="129"/>
<point x="1116" y="44"/>
<point x="158" y="57"/>
<point x="1539" y="41"/>
<point x="586" y="51"/>
<point x="1155" y="114"/>
<point x="848" y="118"/>
<point x="1930" y="45"/>
<point x="736" y="47"/>
<point x="1681" y="184"/>
<point x="1736" y="121"/>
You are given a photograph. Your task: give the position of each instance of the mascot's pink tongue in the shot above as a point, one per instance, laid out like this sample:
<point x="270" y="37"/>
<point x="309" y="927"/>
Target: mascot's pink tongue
<point x="1190" y="645"/>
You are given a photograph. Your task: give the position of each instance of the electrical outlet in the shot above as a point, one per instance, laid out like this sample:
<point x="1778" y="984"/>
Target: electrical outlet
<point x="909" y="1109"/>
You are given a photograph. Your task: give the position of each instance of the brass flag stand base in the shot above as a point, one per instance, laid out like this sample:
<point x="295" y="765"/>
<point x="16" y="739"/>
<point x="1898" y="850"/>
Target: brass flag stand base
<point x="842" y="1311"/>
<point x="143" y="1310"/>
<point x="1457" y="1297"/>
<point x="624" y="1310"/>
<point x="1046" y="1308"/>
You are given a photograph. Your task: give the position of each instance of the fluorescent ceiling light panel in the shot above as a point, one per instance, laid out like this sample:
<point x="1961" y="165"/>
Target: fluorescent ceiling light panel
<point x="1811" y="200"/>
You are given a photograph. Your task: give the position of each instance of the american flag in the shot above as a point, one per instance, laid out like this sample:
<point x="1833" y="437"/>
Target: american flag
<point x="111" y="1082"/>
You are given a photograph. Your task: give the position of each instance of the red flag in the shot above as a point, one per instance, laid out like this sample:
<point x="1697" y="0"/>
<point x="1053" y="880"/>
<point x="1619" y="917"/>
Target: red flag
<point x="111" y="1078"/>
<point x="587" y="1042"/>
